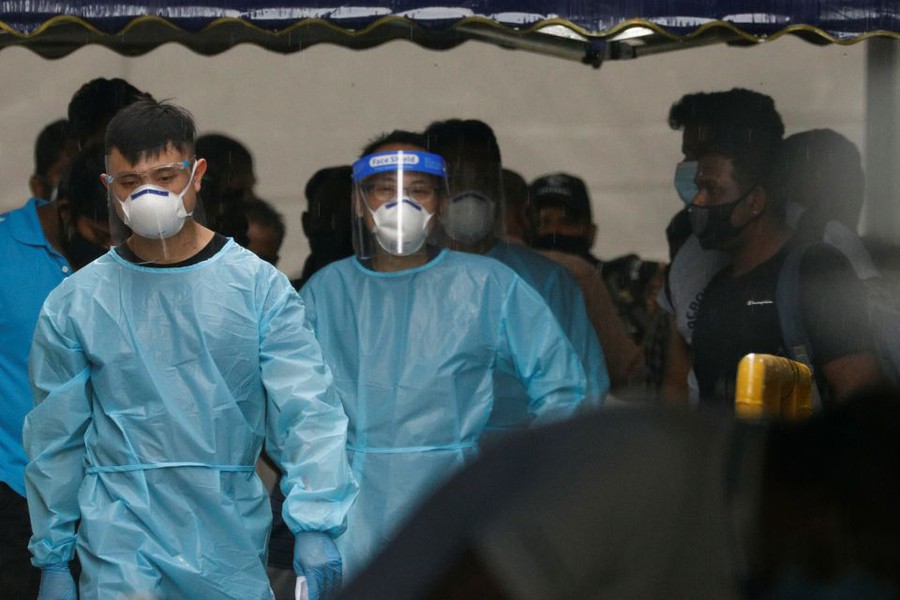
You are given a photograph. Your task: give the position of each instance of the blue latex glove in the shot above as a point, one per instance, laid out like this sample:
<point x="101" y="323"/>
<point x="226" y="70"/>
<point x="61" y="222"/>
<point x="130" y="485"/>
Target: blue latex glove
<point x="57" y="583"/>
<point x="316" y="557"/>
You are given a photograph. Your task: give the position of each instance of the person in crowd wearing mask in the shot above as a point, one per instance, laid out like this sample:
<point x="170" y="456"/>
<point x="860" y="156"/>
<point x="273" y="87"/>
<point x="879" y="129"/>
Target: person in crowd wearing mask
<point x="559" y="226"/>
<point x="699" y="117"/>
<point x="415" y="333"/>
<point x="265" y="230"/>
<point x="85" y="208"/>
<point x="159" y="370"/>
<point x="326" y="220"/>
<point x="737" y="209"/>
<point x="561" y="216"/>
<point x="472" y="217"/>
<point x="32" y="261"/>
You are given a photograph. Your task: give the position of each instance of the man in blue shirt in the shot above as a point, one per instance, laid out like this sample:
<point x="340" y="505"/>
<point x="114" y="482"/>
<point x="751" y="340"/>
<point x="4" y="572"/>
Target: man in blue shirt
<point x="31" y="264"/>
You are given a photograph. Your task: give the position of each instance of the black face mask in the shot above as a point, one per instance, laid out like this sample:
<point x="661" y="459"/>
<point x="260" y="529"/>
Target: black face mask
<point x="570" y="244"/>
<point x="80" y="251"/>
<point x="712" y="224"/>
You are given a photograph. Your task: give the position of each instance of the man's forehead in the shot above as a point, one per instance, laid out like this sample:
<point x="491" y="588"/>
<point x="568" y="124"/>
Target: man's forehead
<point x="147" y="158"/>
<point x="715" y="165"/>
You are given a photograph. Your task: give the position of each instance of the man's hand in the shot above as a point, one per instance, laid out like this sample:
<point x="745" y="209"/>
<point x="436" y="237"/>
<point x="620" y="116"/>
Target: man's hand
<point x="57" y="583"/>
<point x="316" y="557"/>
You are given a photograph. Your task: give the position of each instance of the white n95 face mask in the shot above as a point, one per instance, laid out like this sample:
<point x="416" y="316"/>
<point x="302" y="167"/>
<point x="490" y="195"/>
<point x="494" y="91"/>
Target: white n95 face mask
<point x="401" y="226"/>
<point x="152" y="211"/>
<point x="684" y="180"/>
<point x="469" y="217"/>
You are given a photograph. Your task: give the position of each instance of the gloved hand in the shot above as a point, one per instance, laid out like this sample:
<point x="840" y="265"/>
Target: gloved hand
<point x="57" y="583"/>
<point x="316" y="557"/>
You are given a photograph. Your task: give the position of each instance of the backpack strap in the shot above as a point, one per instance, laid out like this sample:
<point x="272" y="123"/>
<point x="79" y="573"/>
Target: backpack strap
<point x="790" y="315"/>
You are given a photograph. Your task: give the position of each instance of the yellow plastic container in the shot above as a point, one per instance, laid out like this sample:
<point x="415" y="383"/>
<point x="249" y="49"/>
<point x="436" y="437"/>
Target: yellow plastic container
<point x="772" y="387"/>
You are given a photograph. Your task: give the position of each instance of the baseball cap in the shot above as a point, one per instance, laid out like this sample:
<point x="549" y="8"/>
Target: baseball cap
<point x="562" y="189"/>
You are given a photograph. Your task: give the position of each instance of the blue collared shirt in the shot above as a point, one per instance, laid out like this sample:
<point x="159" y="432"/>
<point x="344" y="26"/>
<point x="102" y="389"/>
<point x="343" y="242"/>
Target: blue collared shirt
<point x="29" y="269"/>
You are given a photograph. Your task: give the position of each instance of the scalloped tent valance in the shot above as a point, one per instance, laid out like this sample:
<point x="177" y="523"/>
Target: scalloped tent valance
<point x="589" y="30"/>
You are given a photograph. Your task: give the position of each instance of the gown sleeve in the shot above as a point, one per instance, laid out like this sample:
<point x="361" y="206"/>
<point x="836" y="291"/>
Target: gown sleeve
<point x="534" y="344"/>
<point x="53" y="435"/>
<point x="306" y="423"/>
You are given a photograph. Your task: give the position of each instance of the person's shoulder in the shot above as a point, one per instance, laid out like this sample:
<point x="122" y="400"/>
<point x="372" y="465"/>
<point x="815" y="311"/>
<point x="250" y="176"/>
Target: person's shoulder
<point x="539" y="262"/>
<point x="331" y="277"/>
<point x="474" y="264"/>
<point x="692" y="256"/>
<point x="15" y="219"/>
<point x="821" y="259"/>
<point x="86" y="281"/>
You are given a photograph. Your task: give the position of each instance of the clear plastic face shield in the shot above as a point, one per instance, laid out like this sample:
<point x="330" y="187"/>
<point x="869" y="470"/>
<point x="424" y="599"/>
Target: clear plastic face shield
<point x="154" y="198"/>
<point x="472" y="216"/>
<point x="396" y="198"/>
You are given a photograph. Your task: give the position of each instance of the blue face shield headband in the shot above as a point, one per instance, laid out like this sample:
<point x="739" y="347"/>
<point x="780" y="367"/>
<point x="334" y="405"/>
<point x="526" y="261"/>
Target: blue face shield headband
<point x="398" y="161"/>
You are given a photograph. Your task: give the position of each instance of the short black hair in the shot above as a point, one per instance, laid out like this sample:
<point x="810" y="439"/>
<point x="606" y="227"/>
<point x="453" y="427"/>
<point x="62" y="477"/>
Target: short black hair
<point x="397" y="136"/>
<point x="259" y="211"/>
<point x="82" y="186"/>
<point x="50" y="145"/>
<point x="822" y="171"/>
<point x="224" y="155"/>
<point x="451" y="134"/>
<point x="342" y="174"/>
<point x="515" y="189"/>
<point x="737" y="109"/>
<point x="147" y="127"/>
<point x="97" y="102"/>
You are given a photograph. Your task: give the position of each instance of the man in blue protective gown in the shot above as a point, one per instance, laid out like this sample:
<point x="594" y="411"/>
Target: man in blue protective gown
<point x="414" y="335"/>
<point x="472" y="220"/>
<point x="159" y="371"/>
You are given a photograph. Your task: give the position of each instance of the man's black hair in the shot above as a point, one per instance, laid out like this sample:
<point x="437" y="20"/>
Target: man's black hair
<point x="50" y="145"/>
<point x="226" y="158"/>
<point x="737" y="109"/>
<point x="397" y="136"/>
<point x="259" y="211"/>
<point x="457" y="134"/>
<point x="147" y="128"/>
<point x="81" y="185"/>
<point x="515" y="189"/>
<point x="341" y="175"/>
<point x="97" y="102"/>
<point x="225" y="150"/>
<point x="822" y="171"/>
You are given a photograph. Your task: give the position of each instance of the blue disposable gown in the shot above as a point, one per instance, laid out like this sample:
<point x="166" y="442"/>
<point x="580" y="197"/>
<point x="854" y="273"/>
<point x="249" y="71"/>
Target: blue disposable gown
<point x="155" y="390"/>
<point x="413" y="355"/>
<point x="561" y="293"/>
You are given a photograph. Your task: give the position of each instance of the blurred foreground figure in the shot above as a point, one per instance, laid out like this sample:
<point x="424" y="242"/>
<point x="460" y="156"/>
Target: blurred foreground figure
<point x="645" y="502"/>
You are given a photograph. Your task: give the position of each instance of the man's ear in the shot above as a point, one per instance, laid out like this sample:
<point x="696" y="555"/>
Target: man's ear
<point x="64" y="210"/>
<point x="199" y="172"/>
<point x="37" y="187"/>
<point x="591" y="234"/>
<point x="757" y="200"/>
